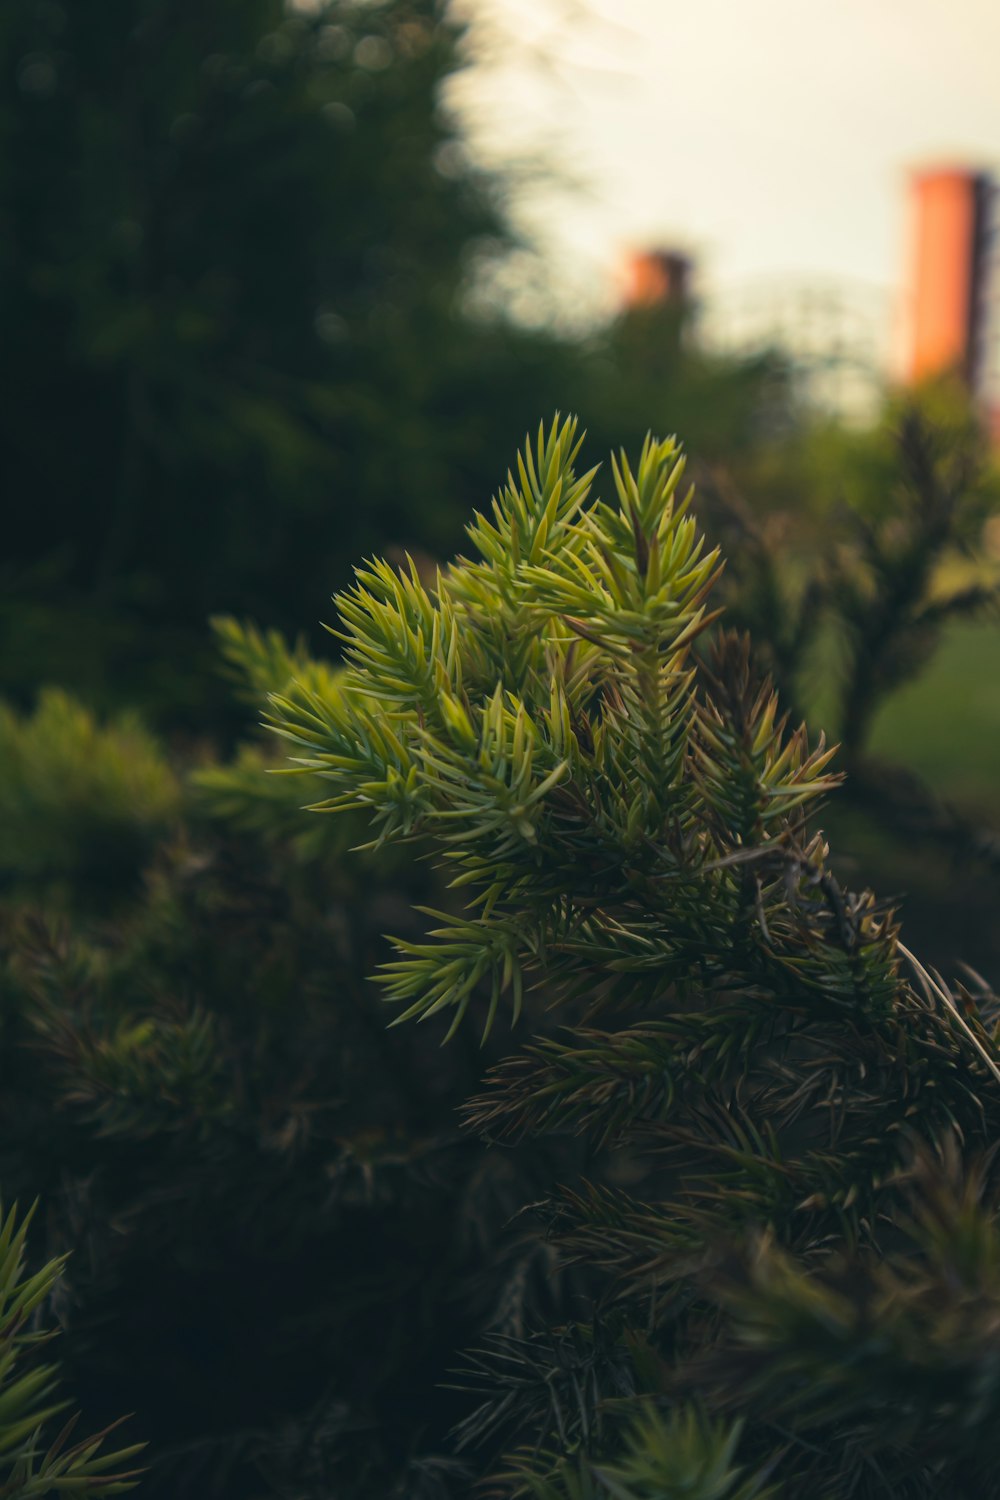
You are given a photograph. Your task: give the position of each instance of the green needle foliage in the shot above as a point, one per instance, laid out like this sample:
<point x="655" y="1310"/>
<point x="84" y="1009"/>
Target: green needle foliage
<point x="36" y="1455"/>
<point x="663" y="1458"/>
<point x="766" y="1130"/>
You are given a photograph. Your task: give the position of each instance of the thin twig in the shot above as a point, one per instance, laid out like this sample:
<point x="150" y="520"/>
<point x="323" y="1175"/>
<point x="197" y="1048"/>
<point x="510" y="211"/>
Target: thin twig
<point x="934" y="988"/>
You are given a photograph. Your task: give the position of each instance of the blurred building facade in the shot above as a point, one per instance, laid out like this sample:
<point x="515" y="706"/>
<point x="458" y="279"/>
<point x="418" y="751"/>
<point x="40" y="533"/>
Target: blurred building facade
<point x="652" y="278"/>
<point x="839" y="336"/>
<point x="953" y="301"/>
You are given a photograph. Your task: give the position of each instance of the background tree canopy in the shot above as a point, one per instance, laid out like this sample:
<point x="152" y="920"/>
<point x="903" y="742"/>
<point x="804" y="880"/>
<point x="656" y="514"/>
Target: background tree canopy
<point x="234" y="240"/>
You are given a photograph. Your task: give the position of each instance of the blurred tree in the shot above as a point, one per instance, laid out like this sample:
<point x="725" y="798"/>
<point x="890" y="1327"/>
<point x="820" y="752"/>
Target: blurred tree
<point x="856" y="558"/>
<point x="233" y="239"/>
<point x="651" y="372"/>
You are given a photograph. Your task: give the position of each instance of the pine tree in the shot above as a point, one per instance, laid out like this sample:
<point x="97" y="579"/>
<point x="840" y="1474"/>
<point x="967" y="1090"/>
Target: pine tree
<point x="768" y="1129"/>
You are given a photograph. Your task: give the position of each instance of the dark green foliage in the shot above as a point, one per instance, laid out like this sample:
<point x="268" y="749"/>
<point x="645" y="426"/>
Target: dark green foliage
<point x="231" y="269"/>
<point x="236" y="239"/>
<point x="271" y="1215"/>
<point x="783" y="1235"/>
<point x="663" y="1458"/>
<point x="280" y="1238"/>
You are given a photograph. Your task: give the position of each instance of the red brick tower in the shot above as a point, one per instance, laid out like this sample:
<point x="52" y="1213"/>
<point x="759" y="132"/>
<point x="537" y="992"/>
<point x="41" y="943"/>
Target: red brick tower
<point x="954" y="304"/>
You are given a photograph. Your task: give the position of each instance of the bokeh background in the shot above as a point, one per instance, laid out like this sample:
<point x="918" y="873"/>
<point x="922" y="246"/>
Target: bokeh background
<point x="282" y="286"/>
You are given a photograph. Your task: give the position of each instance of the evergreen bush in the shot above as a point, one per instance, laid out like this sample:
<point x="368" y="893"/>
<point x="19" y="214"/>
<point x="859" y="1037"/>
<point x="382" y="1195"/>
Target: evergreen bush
<point x="272" y="1221"/>
<point x="278" y="1236"/>
<point x="779" y="1241"/>
<point x="720" y="1221"/>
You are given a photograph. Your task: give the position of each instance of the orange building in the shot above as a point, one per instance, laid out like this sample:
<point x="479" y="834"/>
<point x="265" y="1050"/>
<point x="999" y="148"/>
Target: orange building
<point x="954" y="281"/>
<point x="654" y="278"/>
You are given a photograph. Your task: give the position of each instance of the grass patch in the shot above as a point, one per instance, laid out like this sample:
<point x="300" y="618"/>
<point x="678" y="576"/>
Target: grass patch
<point x="946" y="724"/>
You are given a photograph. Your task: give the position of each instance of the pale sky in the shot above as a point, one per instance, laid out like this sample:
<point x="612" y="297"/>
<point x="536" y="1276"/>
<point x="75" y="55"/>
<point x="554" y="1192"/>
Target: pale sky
<point x="769" y="137"/>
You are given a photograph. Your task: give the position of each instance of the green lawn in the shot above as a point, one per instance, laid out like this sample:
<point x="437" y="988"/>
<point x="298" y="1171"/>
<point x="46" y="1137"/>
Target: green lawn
<point x="946" y="725"/>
